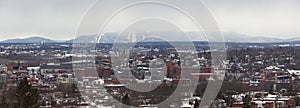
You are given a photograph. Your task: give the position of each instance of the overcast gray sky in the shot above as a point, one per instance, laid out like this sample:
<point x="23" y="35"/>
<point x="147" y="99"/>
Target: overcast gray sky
<point x="58" y="19"/>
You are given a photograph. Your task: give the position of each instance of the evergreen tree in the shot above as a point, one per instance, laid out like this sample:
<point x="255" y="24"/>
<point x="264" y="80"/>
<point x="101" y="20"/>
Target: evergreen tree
<point x="27" y="97"/>
<point x="3" y="102"/>
<point x="126" y="100"/>
<point x="247" y="101"/>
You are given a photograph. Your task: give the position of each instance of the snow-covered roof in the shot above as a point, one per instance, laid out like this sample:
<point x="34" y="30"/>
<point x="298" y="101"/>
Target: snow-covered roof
<point x="296" y="72"/>
<point x="272" y="67"/>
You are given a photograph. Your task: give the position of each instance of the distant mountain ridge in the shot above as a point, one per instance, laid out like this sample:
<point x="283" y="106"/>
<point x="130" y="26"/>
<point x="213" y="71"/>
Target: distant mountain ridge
<point x="111" y="37"/>
<point x="29" y="40"/>
<point x="236" y="37"/>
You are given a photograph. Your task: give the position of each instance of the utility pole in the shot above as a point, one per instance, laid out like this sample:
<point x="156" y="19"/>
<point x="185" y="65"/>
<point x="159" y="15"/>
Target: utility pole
<point x="275" y="84"/>
<point x="276" y="79"/>
<point x="296" y="90"/>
